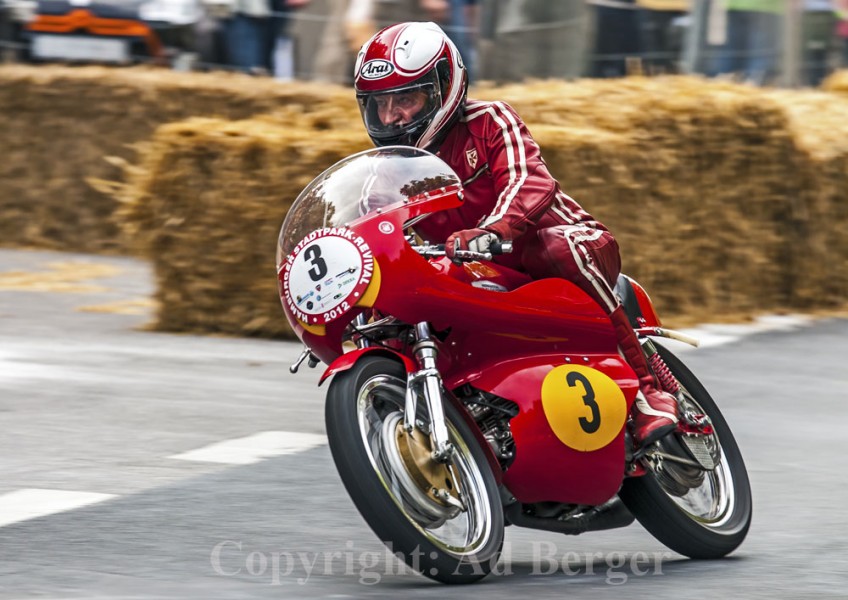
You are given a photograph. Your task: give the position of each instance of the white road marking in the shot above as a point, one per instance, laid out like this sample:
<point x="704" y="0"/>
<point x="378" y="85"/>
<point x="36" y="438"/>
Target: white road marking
<point x="31" y="503"/>
<point x="718" y="334"/>
<point x="254" y="448"/>
<point x="53" y="365"/>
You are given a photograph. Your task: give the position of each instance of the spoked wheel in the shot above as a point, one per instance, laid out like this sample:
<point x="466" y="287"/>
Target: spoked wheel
<point x="446" y="520"/>
<point x="700" y="508"/>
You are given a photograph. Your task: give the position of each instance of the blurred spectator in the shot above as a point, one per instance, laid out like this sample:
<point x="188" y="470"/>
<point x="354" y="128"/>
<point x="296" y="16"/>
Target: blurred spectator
<point x="359" y="24"/>
<point x="250" y="34"/>
<point x="616" y="37"/>
<point x="660" y="40"/>
<point x="6" y="33"/>
<point x="818" y="24"/>
<point x="349" y="24"/>
<point x="461" y="26"/>
<point x="748" y="43"/>
<point x="458" y="18"/>
<point x="283" y="50"/>
<point x="209" y="34"/>
<point x="252" y="31"/>
<point x="842" y="29"/>
<point x="533" y="38"/>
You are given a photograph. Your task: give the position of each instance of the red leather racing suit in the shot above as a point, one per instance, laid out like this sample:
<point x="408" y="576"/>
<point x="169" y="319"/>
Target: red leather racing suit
<point x="509" y="190"/>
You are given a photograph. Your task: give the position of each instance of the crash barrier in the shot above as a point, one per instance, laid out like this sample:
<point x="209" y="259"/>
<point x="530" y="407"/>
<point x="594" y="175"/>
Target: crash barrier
<point x="62" y="128"/>
<point x="727" y="200"/>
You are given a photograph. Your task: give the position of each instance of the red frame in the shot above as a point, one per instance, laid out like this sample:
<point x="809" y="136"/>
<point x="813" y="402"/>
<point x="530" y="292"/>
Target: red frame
<point x="649" y="316"/>
<point x="504" y="343"/>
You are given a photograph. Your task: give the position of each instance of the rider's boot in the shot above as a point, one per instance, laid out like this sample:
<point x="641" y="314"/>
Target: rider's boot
<point x="654" y="413"/>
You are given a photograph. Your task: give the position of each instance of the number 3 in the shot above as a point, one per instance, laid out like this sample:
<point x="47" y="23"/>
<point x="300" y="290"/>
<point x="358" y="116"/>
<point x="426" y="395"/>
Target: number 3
<point x="589" y="426"/>
<point x="319" y="265"/>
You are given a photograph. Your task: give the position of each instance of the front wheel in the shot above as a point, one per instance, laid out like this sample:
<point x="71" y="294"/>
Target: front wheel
<point x="445" y="520"/>
<point x="700" y="513"/>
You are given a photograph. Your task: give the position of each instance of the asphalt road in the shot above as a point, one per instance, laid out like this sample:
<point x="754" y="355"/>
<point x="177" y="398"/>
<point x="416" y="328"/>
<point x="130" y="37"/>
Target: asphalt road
<point x="97" y="413"/>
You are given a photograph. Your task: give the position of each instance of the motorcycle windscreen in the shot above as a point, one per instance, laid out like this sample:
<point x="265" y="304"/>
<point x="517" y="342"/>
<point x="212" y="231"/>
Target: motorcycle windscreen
<point x="360" y="185"/>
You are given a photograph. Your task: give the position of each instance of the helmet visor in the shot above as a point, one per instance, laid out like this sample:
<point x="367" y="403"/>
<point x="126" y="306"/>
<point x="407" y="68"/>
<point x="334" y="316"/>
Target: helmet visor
<point x="400" y="116"/>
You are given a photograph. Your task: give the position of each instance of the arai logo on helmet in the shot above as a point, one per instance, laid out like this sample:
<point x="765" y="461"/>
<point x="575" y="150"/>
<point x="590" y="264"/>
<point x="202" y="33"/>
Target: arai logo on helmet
<point x="376" y="69"/>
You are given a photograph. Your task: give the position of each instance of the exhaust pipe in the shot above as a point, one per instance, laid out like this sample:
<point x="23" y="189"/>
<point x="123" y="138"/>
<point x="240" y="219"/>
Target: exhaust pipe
<point x="610" y="515"/>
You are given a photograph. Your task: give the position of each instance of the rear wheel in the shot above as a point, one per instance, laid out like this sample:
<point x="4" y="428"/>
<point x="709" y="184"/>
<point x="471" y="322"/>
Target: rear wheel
<point x="446" y="521"/>
<point x="700" y="513"/>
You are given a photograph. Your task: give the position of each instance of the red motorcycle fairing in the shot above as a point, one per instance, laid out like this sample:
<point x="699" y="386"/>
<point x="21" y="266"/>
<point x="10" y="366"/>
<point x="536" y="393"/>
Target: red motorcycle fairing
<point x="545" y="345"/>
<point x="638" y="305"/>
<point x="348" y="359"/>
<point x="548" y="465"/>
<point x="421" y="292"/>
<point x="520" y="336"/>
<point x="505" y="343"/>
<point x="325" y="340"/>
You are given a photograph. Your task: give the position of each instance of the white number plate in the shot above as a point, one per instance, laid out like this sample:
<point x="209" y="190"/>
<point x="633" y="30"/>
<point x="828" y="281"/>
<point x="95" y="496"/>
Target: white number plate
<point x="326" y="274"/>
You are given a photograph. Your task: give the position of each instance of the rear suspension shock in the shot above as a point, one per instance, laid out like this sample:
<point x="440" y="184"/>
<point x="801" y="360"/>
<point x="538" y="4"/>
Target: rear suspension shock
<point x="663" y="374"/>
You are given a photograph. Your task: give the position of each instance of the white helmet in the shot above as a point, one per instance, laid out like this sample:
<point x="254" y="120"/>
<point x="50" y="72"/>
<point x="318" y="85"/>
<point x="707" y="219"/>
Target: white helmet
<point x="403" y="58"/>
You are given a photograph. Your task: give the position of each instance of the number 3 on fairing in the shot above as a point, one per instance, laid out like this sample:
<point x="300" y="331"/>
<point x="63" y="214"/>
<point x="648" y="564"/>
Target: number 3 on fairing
<point x="584" y="407"/>
<point x="319" y="266"/>
<point x="588" y="399"/>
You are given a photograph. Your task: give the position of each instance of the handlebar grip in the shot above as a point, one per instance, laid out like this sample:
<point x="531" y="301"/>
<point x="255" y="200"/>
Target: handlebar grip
<point x="501" y="248"/>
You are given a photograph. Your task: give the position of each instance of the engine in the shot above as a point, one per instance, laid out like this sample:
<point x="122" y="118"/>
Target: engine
<point x="492" y="415"/>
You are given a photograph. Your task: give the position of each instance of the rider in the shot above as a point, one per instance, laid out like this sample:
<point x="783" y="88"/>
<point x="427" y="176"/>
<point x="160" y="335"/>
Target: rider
<point x="411" y="87"/>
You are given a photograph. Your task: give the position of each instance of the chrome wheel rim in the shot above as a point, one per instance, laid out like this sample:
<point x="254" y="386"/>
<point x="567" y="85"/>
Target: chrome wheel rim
<point x="379" y="408"/>
<point x="711" y="503"/>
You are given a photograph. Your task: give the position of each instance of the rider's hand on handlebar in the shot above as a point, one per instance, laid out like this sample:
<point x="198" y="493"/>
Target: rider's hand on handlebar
<point x="474" y="240"/>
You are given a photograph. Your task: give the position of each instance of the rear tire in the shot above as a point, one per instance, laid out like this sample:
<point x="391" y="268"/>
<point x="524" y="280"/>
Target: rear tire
<point x="451" y="548"/>
<point x="710" y="520"/>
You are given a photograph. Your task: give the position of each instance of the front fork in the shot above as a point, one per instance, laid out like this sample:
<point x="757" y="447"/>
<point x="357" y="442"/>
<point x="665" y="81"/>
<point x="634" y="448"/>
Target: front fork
<point x="430" y="381"/>
<point x="428" y="378"/>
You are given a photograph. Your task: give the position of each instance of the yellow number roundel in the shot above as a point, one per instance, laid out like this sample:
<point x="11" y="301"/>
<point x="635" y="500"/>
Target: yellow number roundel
<point x="584" y="407"/>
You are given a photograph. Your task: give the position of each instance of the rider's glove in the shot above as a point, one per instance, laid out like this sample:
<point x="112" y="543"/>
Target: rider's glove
<point x="475" y="240"/>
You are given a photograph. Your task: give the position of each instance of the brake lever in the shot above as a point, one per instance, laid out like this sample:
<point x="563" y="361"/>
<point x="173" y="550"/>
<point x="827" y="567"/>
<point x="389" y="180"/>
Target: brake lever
<point x="429" y="251"/>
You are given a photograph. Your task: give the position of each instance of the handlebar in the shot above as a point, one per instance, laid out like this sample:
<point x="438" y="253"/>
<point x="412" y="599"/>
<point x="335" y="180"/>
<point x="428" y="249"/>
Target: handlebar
<point x="438" y="250"/>
<point x="501" y="248"/>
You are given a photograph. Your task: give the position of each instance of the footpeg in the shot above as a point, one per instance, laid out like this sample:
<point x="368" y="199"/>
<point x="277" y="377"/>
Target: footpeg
<point x="307" y="353"/>
<point x="695" y="424"/>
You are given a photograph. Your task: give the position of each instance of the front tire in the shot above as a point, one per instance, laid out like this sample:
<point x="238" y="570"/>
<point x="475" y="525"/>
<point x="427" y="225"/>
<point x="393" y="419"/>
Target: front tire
<point x="700" y="514"/>
<point x="364" y="412"/>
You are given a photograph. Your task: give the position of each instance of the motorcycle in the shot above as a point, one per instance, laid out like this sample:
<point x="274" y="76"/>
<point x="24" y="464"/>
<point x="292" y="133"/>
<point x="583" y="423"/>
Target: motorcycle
<point x="466" y="397"/>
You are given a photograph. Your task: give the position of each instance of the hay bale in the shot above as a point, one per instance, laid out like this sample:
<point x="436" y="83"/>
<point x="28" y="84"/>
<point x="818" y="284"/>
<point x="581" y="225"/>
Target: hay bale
<point x="727" y="200"/>
<point x="59" y="123"/>
<point x="692" y="183"/>
<point x="836" y="82"/>
<point x="817" y="219"/>
<point x="206" y="205"/>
